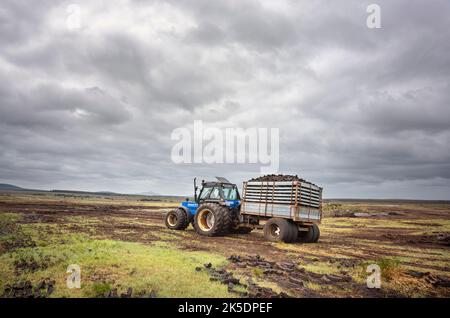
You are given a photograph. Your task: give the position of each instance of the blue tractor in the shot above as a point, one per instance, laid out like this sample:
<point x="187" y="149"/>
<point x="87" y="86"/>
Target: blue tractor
<point x="214" y="211"/>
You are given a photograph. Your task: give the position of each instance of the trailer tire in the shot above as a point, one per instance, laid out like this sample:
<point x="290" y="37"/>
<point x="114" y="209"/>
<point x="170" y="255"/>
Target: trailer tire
<point x="177" y="219"/>
<point x="278" y="230"/>
<point x="212" y="219"/>
<point x="294" y="231"/>
<point x="306" y="237"/>
<point x="316" y="232"/>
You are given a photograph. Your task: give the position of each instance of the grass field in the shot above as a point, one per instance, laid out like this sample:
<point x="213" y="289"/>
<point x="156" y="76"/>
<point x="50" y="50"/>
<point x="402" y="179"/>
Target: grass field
<point x="123" y="249"/>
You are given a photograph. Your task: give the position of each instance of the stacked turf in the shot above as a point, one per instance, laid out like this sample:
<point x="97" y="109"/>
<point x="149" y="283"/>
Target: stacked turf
<point x="277" y="177"/>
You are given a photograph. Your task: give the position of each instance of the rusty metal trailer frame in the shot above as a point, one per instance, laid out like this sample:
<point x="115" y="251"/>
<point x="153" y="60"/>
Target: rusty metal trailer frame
<point x="300" y="201"/>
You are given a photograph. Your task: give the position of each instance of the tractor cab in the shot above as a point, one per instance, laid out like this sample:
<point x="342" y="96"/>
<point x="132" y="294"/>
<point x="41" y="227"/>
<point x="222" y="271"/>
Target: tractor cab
<point x="224" y="193"/>
<point x="221" y="191"/>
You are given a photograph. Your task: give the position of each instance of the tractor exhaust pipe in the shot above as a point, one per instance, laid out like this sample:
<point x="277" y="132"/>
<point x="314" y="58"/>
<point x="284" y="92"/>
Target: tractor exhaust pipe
<point x="195" y="190"/>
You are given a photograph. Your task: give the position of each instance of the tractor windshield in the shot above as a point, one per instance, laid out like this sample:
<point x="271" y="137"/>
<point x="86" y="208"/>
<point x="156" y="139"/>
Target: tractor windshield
<point x="215" y="194"/>
<point x="230" y="193"/>
<point x="205" y="193"/>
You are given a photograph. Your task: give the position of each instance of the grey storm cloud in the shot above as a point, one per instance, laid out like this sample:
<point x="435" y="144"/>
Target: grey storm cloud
<point x="362" y="112"/>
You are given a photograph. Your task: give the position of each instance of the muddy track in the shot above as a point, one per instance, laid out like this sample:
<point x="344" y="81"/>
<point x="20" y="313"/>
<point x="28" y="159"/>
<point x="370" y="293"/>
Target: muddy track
<point x="145" y="220"/>
<point x="87" y="210"/>
<point x="138" y="222"/>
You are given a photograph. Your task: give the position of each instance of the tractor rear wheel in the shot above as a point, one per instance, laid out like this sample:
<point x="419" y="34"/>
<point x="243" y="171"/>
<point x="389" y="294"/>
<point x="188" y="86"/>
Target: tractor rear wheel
<point x="279" y="230"/>
<point x="177" y="220"/>
<point x="212" y="219"/>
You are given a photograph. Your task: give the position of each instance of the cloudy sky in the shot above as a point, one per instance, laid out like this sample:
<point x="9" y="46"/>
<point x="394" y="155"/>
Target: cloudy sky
<point x="92" y="105"/>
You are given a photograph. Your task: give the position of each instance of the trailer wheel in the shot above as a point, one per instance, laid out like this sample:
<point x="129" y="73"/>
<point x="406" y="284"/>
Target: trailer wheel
<point x="278" y="230"/>
<point x="177" y="220"/>
<point x="312" y="236"/>
<point x="316" y="232"/>
<point x="294" y="231"/>
<point x="305" y="237"/>
<point x="212" y="219"/>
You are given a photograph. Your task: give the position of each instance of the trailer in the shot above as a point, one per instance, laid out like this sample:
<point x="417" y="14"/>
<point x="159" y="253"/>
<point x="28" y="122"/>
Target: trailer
<point x="291" y="210"/>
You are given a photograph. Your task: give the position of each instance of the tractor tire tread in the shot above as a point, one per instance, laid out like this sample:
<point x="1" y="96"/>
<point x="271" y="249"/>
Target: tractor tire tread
<point x="222" y="219"/>
<point x="182" y="219"/>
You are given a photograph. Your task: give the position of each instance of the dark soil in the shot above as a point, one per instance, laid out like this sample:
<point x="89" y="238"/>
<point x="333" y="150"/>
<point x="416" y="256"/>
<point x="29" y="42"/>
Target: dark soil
<point x="25" y="289"/>
<point x="12" y="237"/>
<point x="433" y="238"/>
<point x="287" y="273"/>
<point x="435" y="280"/>
<point x="253" y="290"/>
<point x="31" y="264"/>
<point x="52" y="211"/>
<point x="113" y="293"/>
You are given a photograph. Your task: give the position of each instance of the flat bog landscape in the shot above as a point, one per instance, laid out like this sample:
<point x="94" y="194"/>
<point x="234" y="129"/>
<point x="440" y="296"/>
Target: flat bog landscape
<point x="122" y="248"/>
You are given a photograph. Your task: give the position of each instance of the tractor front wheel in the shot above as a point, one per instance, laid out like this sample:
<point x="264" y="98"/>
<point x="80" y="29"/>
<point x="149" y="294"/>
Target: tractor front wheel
<point x="212" y="219"/>
<point x="177" y="220"/>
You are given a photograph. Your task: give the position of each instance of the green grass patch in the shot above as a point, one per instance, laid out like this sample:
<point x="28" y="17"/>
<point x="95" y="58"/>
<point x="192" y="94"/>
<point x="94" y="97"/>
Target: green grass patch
<point x="258" y="272"/>
<point x="106" y="264"/>
<point x="100" y="289"/>
<point x="321" y="268"/>
<point x="390" y="267"/>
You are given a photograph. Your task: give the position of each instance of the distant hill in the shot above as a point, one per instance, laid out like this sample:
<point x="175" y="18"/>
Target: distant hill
<point x="86" y="192"/>
<point x="149" y="193"/>
<point x="11" y="187"/>
<point x="6" y="186"/>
